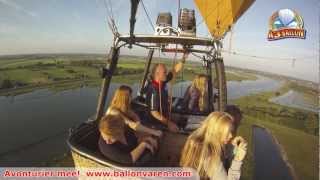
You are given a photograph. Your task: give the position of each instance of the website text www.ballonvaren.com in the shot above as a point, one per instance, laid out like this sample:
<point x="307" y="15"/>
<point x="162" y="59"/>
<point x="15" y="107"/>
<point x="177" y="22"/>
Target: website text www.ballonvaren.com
<point x="12" y="172"/>
<point x="129" y="173"/>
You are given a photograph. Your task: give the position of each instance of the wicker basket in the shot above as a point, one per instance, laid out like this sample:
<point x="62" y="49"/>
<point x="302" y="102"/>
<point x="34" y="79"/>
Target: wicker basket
<point x="84" y="162"/>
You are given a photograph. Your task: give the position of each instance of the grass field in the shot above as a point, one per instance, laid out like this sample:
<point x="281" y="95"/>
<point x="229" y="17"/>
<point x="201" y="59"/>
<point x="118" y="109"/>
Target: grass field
<point x="295" y="129"/>
<point x="260" y="107"/>
<point x="42" y="72"/>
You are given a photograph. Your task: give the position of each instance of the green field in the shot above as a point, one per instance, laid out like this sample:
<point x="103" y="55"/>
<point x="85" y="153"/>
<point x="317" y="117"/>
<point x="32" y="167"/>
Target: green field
<point x="260" y="107"/>
<point x="27" y="73"/>
<point x="296" y="130"/>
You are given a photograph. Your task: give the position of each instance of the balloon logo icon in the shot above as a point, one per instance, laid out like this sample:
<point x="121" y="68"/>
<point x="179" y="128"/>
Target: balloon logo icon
<point x="286" y="16"/>
<point x="286" y="23"/>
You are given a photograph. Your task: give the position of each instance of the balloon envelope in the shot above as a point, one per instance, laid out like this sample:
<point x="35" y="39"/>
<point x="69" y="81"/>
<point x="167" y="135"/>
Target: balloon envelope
<point x="219" y="15"/>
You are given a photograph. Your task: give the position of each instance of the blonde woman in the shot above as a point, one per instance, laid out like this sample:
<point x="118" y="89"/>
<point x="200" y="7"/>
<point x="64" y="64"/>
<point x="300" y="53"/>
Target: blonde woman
<point x="118" y="143"/>
<point x="205" y="147"/>
<point x="121" y="106"/>
<point x="195" y="98"/>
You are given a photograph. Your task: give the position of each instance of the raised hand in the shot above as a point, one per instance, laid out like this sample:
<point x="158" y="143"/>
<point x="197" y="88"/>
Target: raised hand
<point x="240" y="146"/>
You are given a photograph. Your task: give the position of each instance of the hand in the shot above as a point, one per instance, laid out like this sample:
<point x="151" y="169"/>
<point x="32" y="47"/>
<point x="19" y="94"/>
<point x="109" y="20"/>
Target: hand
<point x="172" y="127"/>
<point x="237" y="141"/>
<point x="112" y="111"/>
<point x="178" y="67"/>
<point x="151" y="141"/>
<point x="240" y="146"/>
<point x="157" y="133"/>
<point x="148" y="146"/>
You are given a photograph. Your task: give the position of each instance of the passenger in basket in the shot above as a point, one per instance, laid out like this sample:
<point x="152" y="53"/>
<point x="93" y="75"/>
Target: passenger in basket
<point x="196" y="96"/>
<point x="121" y="106"/>
<point x="205" y="147"/>
<point x="118" y="143"/>
<point x="235" y="112"/>
<point x="157" y="97"/>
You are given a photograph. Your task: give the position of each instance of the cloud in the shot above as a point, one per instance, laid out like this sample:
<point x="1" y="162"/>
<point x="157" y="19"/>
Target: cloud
<point x="13" y="5"/>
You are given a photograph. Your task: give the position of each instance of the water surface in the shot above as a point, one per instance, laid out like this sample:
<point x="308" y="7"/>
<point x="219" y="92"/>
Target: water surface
<point x="268" y="160"/>
<point x="296" y="100"/>
<point x="34" y="125"/>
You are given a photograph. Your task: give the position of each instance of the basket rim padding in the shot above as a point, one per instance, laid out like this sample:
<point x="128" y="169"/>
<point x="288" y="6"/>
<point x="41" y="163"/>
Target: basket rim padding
<point x="86" y="153"/>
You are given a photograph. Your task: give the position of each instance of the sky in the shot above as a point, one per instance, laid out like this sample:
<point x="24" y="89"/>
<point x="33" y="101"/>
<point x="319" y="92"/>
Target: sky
<point x="80" y="26"/>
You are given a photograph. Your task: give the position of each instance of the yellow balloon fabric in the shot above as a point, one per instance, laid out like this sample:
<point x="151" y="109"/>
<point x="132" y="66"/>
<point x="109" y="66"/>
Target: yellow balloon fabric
<point x="220" y="15"/>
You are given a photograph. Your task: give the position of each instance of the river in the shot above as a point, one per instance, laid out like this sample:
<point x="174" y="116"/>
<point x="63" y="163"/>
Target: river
<point x="268" y="160"/>
<point x="296" y="100"/>
<point x="34" y="125"/>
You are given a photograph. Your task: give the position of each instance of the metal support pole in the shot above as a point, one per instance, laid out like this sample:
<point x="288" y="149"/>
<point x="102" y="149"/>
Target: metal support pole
<point x="146" y="71"/>
<point x="210" y="90"/>
<point x="222" y="85"/>
<point x="109" y="70"/>
<point x="134" y="7"/>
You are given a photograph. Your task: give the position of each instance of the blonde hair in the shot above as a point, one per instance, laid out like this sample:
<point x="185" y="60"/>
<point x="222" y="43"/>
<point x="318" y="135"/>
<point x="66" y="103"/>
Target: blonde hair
<point x="199" y="83"/>
<point x="203" y="148"/>
<point x="112" y="126"/>
<point x="121" y="99"/>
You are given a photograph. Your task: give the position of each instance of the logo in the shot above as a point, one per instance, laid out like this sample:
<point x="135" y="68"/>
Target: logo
<point x="286" y="23"/>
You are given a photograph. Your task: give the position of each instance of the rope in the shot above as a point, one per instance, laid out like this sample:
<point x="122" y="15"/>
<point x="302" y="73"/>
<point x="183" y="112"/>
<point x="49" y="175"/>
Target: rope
<point x="147" y="14"/>
<point x="182" y="79"/>
<point x="264" y="57"/>
<point x="110" y="18"/>
<point x="178" y="7"/>
<point x="111" y="9"/>
<point x="230" y="39"/>
<point x="160" y="94"/>
<point x="172" y="82"/>
<point x="196" y="55"/>
<point x="107" y="7"/>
